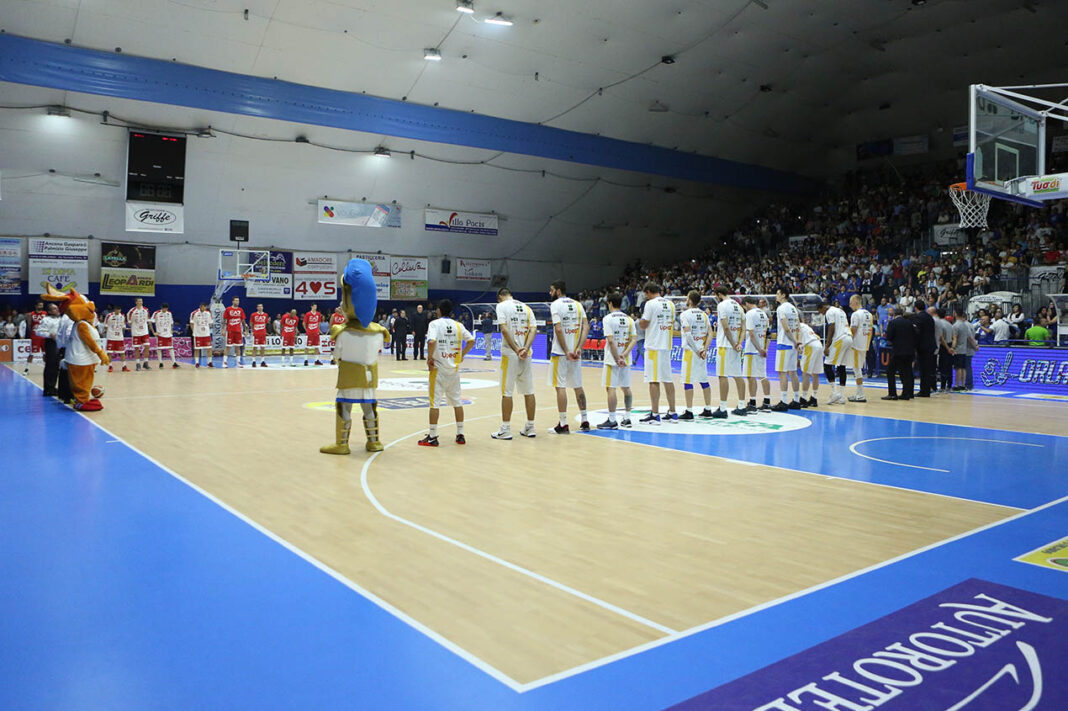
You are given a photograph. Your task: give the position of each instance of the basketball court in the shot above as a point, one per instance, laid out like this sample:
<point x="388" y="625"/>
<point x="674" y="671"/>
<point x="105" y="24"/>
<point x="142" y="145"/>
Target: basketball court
<point x="560" y="572"/>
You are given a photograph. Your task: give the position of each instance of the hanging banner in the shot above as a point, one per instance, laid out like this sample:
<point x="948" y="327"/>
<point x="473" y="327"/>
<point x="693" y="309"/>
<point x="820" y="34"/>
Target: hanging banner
<point x="911" y="145"/>
<point x="359" y="214"/>
<point x="948" y="235"/>
<point x="471" y="223"/>
<point x="154" y="217"/>
<point x="1046" y="279"/>
<point x="127" y="269"/>
<point x="10" y="266"/>
<point x="474" y="269"/>
<point x="409" y="268"/>
<point x="380" y="271"/>
<point x="408" y="290"/>
<point x="63" y="263"/>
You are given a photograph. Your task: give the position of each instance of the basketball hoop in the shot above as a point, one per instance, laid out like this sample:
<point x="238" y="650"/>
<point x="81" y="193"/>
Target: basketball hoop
<point x="973" y="206"/>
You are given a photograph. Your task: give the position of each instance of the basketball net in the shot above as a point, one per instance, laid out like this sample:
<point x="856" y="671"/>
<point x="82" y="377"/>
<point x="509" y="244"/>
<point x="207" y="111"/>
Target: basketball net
<point x="973" y="206"/>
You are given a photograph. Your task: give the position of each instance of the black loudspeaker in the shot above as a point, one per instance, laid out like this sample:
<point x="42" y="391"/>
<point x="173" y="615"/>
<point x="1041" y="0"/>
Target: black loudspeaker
<point x="446" y="266"/>
<point x="239" y="230"/>
<point x="155" y="167"/>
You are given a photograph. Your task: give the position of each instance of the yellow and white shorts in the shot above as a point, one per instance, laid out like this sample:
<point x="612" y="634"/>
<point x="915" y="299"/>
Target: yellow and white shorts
<point x="728" y="362"/>
<point x="754" y="365"/>
<point x="564" y="373"/>
<point x="615" y="376"/>
<point x="858" y="359"/>
<point x="694" y="368"/>
<point x="658" y="367"/>
<point x="785" y="358"/>
<point x="445" y="388"/>
<point x="838" y="353"/>
<point x="812" y="359"/>
<point x="516" y="373"/>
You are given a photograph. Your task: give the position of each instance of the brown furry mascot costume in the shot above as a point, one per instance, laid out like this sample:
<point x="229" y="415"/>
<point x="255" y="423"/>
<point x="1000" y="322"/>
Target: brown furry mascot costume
<point x="83" y="347"/>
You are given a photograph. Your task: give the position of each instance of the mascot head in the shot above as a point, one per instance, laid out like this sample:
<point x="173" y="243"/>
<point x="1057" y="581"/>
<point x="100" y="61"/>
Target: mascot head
<point x="359" y="296"/>
<point x="76" y="306"/>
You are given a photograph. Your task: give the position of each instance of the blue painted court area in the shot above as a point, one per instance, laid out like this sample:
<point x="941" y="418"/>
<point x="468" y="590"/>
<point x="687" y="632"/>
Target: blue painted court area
<point x="124" y="588"/>
<point x="994" y="466"/>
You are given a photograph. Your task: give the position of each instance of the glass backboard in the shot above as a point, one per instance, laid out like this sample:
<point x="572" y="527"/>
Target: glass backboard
<point x="1007" y="144"/>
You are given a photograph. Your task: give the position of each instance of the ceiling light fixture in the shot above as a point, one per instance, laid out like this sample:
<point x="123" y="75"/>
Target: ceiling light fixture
<point x="382" y="152"/>
<point x="500" y="19"/>
<point x="465" y="6"/>
<point x="431" y="54"/>
<point x="668" y="59"/>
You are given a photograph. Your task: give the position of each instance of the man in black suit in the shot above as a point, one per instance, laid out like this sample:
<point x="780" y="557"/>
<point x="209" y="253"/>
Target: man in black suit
<point x="400" y="334"/>
<point x="902" y="335"/>
<point x="419" y="322"/>
<point x="926" y="347"/>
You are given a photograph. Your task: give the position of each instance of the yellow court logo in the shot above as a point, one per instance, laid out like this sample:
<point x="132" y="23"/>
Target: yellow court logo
<point x="1052" y="555"/>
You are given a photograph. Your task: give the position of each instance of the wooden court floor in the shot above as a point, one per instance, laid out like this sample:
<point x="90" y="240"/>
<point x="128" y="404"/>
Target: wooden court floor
<point x="535" y="556"/>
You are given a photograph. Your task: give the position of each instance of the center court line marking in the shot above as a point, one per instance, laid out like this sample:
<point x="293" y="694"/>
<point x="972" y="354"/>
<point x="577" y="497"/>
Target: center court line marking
<point x="456" y="649"/>
<point x="853" y="448"/>
<point x="489" y="556"/>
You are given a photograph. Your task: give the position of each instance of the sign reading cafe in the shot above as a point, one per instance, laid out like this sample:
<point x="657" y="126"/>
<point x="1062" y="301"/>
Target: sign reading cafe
<point x="154" y="217"/>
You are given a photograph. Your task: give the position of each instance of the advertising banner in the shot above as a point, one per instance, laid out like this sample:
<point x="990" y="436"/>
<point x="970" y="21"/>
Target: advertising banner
<point x="408" y="290"/>
<point x="381" y="271"/>
<point x="127" y="269"/>
<point x="474" y="269"/>
<point x="154" y="217"/>
<point x="911" y="145"/>
<point x="15" y="350"/>
<point x="948" y="235"/>
<point x="1047" y="279"/>
<point x="10" y="266"/>
<point x="409" y="268"/>
<point x="63" y="263"/>
<point x="359" y="214"/>
<point x="315" y="287"/>
<point x="279" y="287"/>
<point x="315" y="263"/>
<point x="470" y="223"/>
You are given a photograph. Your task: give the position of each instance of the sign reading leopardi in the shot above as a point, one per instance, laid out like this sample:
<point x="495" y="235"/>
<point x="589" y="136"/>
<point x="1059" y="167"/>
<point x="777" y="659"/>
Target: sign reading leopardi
<point x="976" y="645"/>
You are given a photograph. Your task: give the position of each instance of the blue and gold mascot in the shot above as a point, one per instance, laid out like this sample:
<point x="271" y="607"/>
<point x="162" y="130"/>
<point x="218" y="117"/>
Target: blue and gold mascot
<point x="356" y="348"/>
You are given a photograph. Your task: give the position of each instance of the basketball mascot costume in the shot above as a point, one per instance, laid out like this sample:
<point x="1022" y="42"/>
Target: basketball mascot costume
<point x="357" y="343"/>
<point x="83" y="347"/>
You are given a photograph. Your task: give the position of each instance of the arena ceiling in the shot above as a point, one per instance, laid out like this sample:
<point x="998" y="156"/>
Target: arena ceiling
<point x="780" y="83"/>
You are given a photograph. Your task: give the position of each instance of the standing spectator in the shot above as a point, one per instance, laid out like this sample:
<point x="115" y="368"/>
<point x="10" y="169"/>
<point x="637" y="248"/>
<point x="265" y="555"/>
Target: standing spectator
<point x="389" y="327"/>
<point x="401" y="328"/>
<point x="419" y="322"/>
<point x="47" y="329"/>
<point x="902" y="337"/>
<point x="944" y="336"/>
<point x="964" y="348"/>
<point x="485" y="325"/>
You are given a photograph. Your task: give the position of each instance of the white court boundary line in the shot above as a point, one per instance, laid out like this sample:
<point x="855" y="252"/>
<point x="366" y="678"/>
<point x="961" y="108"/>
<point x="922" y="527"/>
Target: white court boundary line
<point x="853" y="448"/>
<point x="489" y="556"/>
<point x="589" y="666"/>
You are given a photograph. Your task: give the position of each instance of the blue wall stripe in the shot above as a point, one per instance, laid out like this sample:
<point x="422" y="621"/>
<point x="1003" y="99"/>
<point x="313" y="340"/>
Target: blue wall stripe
<point x="30" y="61"/>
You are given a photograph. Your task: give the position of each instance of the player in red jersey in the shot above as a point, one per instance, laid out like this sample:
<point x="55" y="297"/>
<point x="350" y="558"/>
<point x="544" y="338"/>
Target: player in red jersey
<point x="137" y="318"/>
<point x="338" y="318"/>
<point x="115" y="325"/>
<point x="258" y="321"/>
<point x="201" y="321"/>
<point x="312" y="319"/>
<point x="234" y="323"/>
<point x="162" y="323"/>
<point x="288" y="324"/>
<point x="37" y="343"/>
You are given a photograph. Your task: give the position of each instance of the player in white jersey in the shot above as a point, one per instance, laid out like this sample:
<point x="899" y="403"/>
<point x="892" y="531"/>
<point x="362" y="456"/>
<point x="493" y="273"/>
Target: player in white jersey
<point x="518" y="329"/>
<point x="115" y="335"/>
<point x="755" y="353"/>
<point x="811" y="351"/>
<point x="730" y="335"/>
<point x="696" y="339"/>
<point x="862" y="327"/>
<point x="837" y="349"/>
<point x="201" y="321"/>
<point x="658" y="321"/>
<point x="620" y="338"/>
<point x="570" y="327"/>
<point x="447" y="343"/>
<point x="137" y="318"/>
<point x="786" y="347"/>
<point x="162" y="324"/>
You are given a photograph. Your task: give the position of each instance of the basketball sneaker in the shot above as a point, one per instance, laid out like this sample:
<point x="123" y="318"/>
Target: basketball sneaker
<point x="318" y="362"/>
<point x="672" y="418"/>
<point x="740" y="411"/>
<point x="584" y="426"/>
<point x="175" y="365"/>
<point x="624" y="423"/>
<point x="795" y="405"/>
<point x="459" y="438"/>
<point x="306" y="365"/>
<point x="502" y="434"/>
<point x="686" y="416"/>
<point x="428" y="441"/>
<point x="857" y="397"/>
<point x="812" y="402"/>
<point x="765" y="407"/>
<point x="211" y="364"/>
<point x="720" y="414"/>
<point x="705" y="413"/>
<point x="751" y="407"/>
<point x="560" y="430"/>
<point x="650" y="419"/>
<point x="125" y="369"/>
<point x="608" y="425"/>
<point x="253" y="364"/>
<point x="138" y="368"/>
<point x="263" y="364"/>
<point x="161" y="365"/>
<point x="528" y="431"/>
<point x="779" y="407"/>
<point x="111" y="369"/>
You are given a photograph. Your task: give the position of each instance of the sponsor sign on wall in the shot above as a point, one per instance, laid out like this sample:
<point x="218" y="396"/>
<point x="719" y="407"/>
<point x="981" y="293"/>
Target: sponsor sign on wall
<point x="359" y="214"/>
<point x="380" y="271"/>
<point x="471" y="223"/>
<point x="315" y="276"/>
<point x="408" y="290"/>
<point x="409" y="268"/>
<point x="154" y="217"/>
<point x="10" y="265"/>
<point x="1028" y="370"/>
<point x="281" y="284"/>
<point x="127" y="269"/>
<point x="948" y="235"/>
<point x="15" y="350"/>
<point x="975" y="645"/>
<point x="63" y="263"/>
<point x="474" y="269"/>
